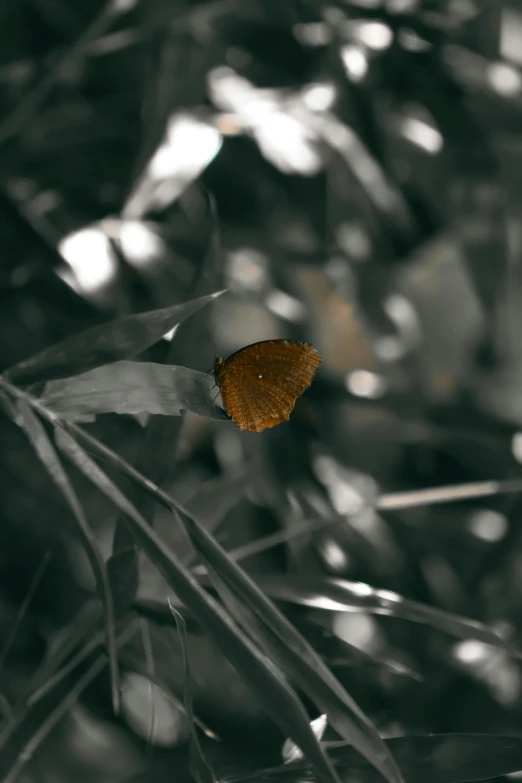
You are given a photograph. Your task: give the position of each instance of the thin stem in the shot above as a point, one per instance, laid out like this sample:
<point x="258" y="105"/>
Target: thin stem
<point x="448" y="494"/>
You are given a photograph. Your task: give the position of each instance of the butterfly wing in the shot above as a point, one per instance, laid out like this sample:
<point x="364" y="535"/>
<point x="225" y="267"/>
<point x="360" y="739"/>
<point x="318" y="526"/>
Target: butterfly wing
<point x="260" y="383"/>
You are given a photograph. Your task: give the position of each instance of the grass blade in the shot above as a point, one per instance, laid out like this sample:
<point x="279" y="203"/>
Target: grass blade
<point x="204" y="773"/>
<point x="342" y="595"/>
<point x="293" y="657"/>
<point x="294" y="654"/>
<point x="437" y="758"/>
<point x="133" y="387"/>
<point x="30" y="747"/>
<point x="277" y="697"/>
<point x="121" y="339"/>
<point x="304" y="655"/>
<point x="52" y="683"/>
<point x="45" y="450"/>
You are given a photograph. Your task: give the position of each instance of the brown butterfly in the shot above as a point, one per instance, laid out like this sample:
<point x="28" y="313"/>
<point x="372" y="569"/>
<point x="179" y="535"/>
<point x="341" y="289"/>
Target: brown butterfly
<point x="260" y="383"/>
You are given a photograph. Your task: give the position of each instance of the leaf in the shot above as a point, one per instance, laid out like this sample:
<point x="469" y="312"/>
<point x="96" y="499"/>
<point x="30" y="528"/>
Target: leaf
<point x="51" y="687"/>
<point x="338" y="652"/>
<point x="47" y="682"/>
<point x="291" y="651"/>
<point x="52" y="720"/>
<point x="158" y="449"/>
<point x="340" y="595"/>
<point x="110" y="342"/>
<point x="277" y="697"/>
<point x="43" y="447"/>
<point x="344" y="714"/>
<point x="204" y="773"/>
<point x="132" y="387"/>
<point x="156" y="457"/>
<point x="63" y="644"/>
<point x="438" y="758"/>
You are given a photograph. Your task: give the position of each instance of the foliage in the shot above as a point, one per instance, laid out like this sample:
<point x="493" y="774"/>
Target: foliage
<point x="181" y="600"/>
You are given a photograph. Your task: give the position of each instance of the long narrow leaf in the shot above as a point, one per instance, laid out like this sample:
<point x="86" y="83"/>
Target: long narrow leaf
<point x="438" y="758"/>
<point x="293" y="657"/>
<point x="39" y="736"/>
<point x="133" y="387"/>
<point x="45" y="450"/>
<point x="79" y="657"/>
<point x="203" y="770"/>
<point x="157" y="453"/>
<point x="296" y="656"/>
<point x="336" y="651"/>
<point x="275" y="694"/>
<point x="341" y="595"/>
<point x="64" y="643"/>
<point x="120" y="339"/>
<point x="23" y="709"/>
<point x="350" y="715"/>
<point x="339" y="652"/>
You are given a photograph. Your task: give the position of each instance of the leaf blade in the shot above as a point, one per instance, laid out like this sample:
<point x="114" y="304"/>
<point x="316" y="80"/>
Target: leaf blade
<point x="293" y="654"/>
<point x="110" y="342"/>
<point x="203" y="770"/>
<point x="343" y="595"/>
<point x="436" y="758"/>
<point x="133" y="387"/>
<point x="277" y="697"/>
<point x="249" y="588"/>
<point x="43" y="447"/>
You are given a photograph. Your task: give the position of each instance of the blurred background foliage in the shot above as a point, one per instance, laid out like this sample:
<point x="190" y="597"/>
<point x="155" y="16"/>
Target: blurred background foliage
<point x="351" y="172"/>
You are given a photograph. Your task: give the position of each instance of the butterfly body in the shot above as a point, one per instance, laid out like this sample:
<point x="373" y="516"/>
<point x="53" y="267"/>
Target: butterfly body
<point x="260" y="383"/>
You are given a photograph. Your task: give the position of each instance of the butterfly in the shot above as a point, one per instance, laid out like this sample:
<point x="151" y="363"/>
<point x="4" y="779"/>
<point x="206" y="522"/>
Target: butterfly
<point x="260" y="383"/>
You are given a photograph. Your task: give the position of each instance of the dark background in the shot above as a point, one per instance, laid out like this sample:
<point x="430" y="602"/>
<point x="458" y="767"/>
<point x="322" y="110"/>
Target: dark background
<point x="364" y="195"/>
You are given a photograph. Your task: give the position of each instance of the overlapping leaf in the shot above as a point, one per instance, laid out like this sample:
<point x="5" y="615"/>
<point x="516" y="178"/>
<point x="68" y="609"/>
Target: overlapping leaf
<point x="133" y="387"/>
<point x="45" y="450"/>
<point x="300" y="658"/>
<point x="203" y="771"/>
<point x="293" y="654"/>
<point x="341" y="595"/>
<point x="121" y="339"/>
<point x="442" y="758"/>
<point x="270" y="686"/>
